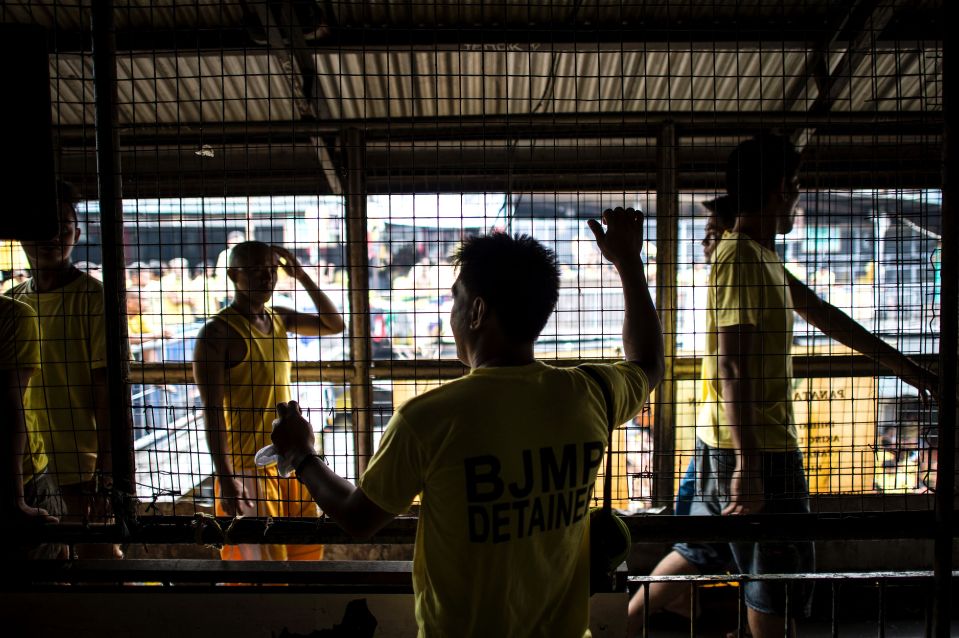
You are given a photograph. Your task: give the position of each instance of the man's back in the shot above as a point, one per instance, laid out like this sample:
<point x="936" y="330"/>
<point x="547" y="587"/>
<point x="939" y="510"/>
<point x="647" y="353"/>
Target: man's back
<point x="505" y="459"/>
<point x="748" y="286"/>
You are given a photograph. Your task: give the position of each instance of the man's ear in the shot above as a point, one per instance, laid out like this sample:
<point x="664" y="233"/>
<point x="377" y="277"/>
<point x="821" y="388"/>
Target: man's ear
<point x="776" y="195"/>
<point x="231" y="273"/>
<point x="781" y="191"/>
<point x="479" y="312"/>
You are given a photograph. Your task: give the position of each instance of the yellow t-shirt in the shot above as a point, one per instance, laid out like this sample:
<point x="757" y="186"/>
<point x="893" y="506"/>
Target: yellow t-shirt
<point x="254" y="387"/>
<point x="20" y="349"/>
<point x="60" y="395"/>
<point x="505" y="459"/>
<point x="748" y="286"/>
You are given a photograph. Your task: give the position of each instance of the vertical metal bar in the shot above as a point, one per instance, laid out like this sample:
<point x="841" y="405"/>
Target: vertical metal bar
<point x="114" y="283"/>
<point x="358" y="275"/>
<point x="834" y="622"/>
<point x="692" y="609"/>
<point x="667" y="253"/>
<point x="786" y="623"/>
<point x="882" y="609"/>
<point x="646" y="609"/>
<point x="948" y="348"/>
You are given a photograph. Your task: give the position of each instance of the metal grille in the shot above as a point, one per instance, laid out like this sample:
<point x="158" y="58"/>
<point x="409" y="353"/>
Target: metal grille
<point x="369" y="139"/>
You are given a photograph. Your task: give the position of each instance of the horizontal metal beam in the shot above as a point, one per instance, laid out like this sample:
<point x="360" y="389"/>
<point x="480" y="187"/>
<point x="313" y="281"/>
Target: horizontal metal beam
<point x="819" y="366"/>
<point x="916" y="522"/>
<point x="388" y="574"/>
<point x="492" y="126"/>
<point x="175" y="373"/>
<point x="393" y="575"/>
<point x="739" y="34"/>
<point x="441" y="369"/>
<point x="151" y="184"/>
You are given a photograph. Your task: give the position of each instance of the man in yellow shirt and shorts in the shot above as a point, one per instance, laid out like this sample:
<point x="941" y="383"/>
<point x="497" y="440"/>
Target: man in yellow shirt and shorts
<point x="68" y="397"/>
<point x="242" y="365"/>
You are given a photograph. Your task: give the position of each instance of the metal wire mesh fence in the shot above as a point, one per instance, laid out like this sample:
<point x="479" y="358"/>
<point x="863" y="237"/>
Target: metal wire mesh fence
<point x="367" y="140"/>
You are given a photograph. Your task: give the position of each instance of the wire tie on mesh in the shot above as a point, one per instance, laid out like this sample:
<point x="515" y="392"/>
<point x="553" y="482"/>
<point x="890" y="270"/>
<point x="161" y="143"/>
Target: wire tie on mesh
<point x="229" y="528"/>
<point x="202" y="521"/>
<point x="267" y="525"/>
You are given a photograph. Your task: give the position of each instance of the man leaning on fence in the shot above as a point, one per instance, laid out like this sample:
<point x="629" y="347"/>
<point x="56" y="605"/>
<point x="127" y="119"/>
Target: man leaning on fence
<point x="503" y="459"/>
<point x="242" y="365"/>
<point x="67" y="395"/>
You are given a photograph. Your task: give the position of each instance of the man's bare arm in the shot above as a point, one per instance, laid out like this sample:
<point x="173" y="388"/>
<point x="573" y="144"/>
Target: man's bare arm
<point x="339" y="499"/>
<point x="209" y="372"/>
<point x="14" y="382"/>
<point x="326" y="320"/>
<point x="837" y="325"/>
<point x="736" y="345"/>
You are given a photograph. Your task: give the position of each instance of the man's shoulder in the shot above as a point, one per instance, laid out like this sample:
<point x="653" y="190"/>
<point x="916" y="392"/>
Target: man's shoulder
<point x="12" y="307"/>
<point x="446" y="399"/>
<point x="736" y="248"/>
<point x="617" y="376"/>
<point x="19" y="290"/>
<point x="14" y="316"/>
<point x="216" y="329"/>
<point x="86" y="282"/>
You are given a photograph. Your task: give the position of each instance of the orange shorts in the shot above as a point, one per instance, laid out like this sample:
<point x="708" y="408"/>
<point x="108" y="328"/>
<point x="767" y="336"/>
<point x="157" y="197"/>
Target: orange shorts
<point x="278" y="497"/>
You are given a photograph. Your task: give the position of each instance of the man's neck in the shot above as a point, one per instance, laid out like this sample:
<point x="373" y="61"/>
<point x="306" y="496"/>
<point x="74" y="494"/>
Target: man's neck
<point x="502" y="356"/>
<point x="54" y="278"/>
<point x="757" y="227"/>
<point x="247" y="307"/>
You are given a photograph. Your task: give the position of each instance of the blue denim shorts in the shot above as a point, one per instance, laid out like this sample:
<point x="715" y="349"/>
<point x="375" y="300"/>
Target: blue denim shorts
<point x="786" y="492"/>
<point x="41" y="491"/>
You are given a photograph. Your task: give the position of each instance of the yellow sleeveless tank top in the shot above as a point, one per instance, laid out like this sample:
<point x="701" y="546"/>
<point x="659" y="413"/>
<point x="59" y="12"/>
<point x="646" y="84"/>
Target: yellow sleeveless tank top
<point x="255" y="386"/>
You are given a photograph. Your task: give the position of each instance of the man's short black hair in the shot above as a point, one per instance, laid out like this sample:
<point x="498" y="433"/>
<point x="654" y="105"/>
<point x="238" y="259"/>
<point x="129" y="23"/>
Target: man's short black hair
<point x="518" y="278"/>
<point x="757" y="167"/>
<point x="243" y="253"/>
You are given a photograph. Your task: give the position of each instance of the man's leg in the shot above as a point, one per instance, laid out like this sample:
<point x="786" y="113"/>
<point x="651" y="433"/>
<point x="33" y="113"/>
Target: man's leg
<point x="295" y="501"/>
<point x="770" y="602"/>
<point x="661" y="595"/>
<point x="78" y="498"/>
<point x="245" y="551"/>
<point x="763" y="625"/>
<point x="42" y="492"/>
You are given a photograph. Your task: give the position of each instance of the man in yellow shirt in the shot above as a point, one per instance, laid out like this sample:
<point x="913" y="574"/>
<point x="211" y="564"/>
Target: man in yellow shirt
<point x="747" y="456"/>
<point x="503" y="459"/>
<point x="68" y="396"/>
<point x="33" y="495"/>
<point x="832" y="322"/>
<point x="242" y="364"/>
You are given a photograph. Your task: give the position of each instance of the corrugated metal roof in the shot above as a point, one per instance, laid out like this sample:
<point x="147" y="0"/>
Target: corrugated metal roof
<point x="255" y="87"/>
<point x="184" y="68"/>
